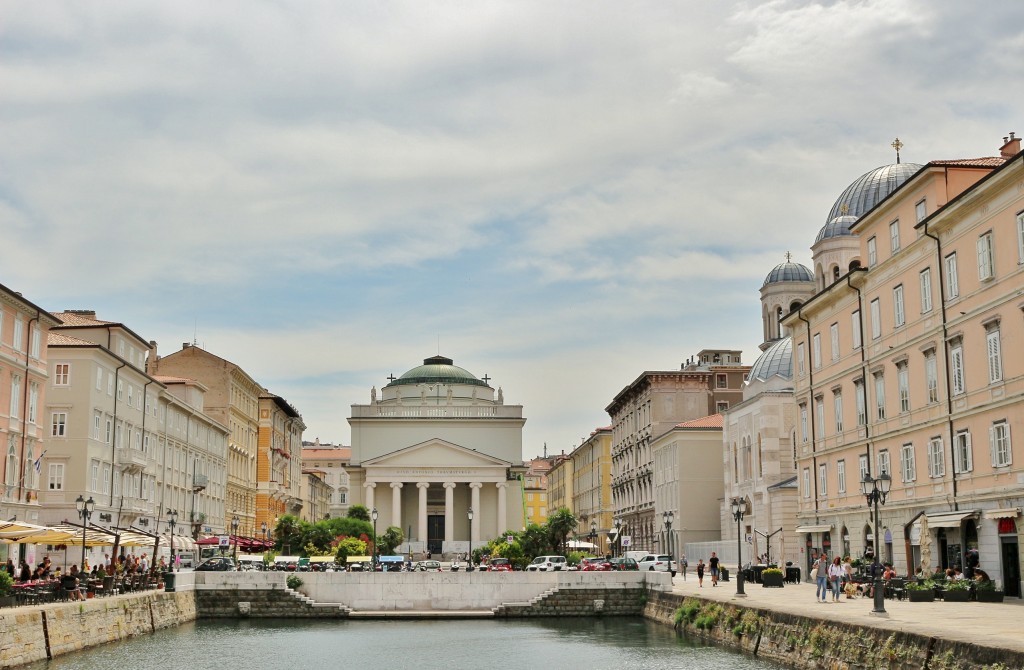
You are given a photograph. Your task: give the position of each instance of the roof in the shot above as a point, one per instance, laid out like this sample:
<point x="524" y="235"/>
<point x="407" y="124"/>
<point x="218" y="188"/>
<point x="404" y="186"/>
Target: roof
<point x="438" y="370"/>
<point x="713" y="421"/>
<point x="75" y="317"/>
<point x="788" y="271"/>
<point x="60" y="339"/>
<point x="776" y="360"/>
<point x="986" y="162"/>
<point x="871" y="188"/>
<point x="338" y="452"/>
<point x="18" y="297"/>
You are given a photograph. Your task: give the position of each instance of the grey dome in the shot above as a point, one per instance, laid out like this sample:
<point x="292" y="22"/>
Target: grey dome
<point x="870" y="189"/>
<point x="776" y="360"/>
<point x="837" y="227"/>
<point x="788" y="271"/>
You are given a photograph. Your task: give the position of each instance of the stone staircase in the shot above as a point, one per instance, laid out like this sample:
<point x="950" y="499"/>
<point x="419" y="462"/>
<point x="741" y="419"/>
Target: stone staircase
<point x="577" y="602"/>
<point x="284" y="603"/>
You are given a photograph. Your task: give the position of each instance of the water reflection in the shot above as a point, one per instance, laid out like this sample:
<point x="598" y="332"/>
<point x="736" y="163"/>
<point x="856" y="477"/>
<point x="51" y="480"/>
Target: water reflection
<point x="597" y="644"/>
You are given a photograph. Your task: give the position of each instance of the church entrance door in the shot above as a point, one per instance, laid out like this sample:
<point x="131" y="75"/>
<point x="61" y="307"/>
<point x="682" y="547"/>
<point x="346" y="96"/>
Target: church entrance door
<point x="435" y="533"/>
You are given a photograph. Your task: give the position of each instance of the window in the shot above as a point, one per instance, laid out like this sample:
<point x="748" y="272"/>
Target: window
<point x="343" y="496"/>
<point x="903" y="386"/>
<point x="59" y="424"/>
<point x="956" y="368"/>
<point x="15" y="409"/>
<point x="823" y="480"/>
<point x="862" y="410"/>
<point x="936" y="459"/>
<point x="879" y="397"/>
<point x="897" y="306"/>
<point x="920" y="211"/>
<point x="120" y="390"/>
<point x="834" y="334"/>
<point x="872" y="252"/>
<point x="36" y="337"/>
<point x="800" y="358"/>
<point x="862" y="463"/>
<point x="94" y="476"/>
<point x="61" y="374"/>
<point x="55" y="477"/>
<point x="33" y="402"/>
<point x="108" y="435"/>
<point x="838" y="403"/>
<point x="926" y="290"/>
<point x="963" y="459"/>
<point x="855" y="328"/>
<point x="96" y="425"/>
<point x="986" y="263"/>
<point x="1020" y="238"/>
<point x="19" y="335"/>
<point x="99" y="379"/>
<point x="876" y="319"/>
<point x="999" y="436"/>
<point x="721" y="381"/>
<point x="721" y="406"/>
<point x="12" y="463"/>
<point x="907" y="466"/>
<point x="931" y="376"/>
<point x="894" y="236"/>
<point x="841" y="476"/>
<point x="819" y="410"/>
<point x="883" y="462"/>
<point x="803" y="422"/>
<point x="995" y="364"/>
<point x="816" y="351"/>
<point x="807" y="483"/>
<point x="952" y="282"/>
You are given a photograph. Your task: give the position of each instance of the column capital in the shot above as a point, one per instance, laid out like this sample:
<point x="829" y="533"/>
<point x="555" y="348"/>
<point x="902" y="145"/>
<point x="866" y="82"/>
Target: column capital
<point x="396" y="485"/>
<point x="501" y="485"/>
<point x="370" y="485"/>
<point x="449" y="485"/>
<point x="423" y="485"/>
<point x="476" y="485"/>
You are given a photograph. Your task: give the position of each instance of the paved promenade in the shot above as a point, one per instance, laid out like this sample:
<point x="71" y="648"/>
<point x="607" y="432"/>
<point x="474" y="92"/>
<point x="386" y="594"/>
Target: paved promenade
<point x="999" y="625"/>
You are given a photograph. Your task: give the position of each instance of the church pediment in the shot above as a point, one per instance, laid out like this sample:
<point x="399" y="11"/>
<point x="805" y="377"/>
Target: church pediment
<point x="433" y="454"/>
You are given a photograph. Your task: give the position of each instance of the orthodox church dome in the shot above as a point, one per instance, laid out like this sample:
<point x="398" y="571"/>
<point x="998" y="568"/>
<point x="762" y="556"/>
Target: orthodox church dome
<point x="788" y="271"/>
<point x="836" y="227"/>
<point x="870" y="189"/>
<point x="438" y="370"/>
<point x="776" y="360"/>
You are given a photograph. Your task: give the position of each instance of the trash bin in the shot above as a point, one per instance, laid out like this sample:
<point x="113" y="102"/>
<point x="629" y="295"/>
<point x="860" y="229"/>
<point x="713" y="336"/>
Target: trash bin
<point x="169" y="582"/>
<point x="723" y="574"/>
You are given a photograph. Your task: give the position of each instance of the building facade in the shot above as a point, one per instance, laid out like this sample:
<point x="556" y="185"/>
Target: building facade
<point x="279" y="475"/>
<point x="592" y="487"/>
<point x="332" y="461"/>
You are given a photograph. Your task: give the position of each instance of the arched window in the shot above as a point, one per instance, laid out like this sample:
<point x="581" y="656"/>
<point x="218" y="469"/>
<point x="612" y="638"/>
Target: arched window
<point x="778" y="322"/>
<point x="835" y="273"/>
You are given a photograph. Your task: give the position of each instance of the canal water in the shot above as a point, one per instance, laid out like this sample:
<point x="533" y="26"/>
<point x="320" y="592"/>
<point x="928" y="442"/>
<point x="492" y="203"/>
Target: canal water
<point x="566" y="644"/>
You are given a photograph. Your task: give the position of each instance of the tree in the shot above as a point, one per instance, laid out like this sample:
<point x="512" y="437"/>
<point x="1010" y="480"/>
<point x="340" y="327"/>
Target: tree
<point x="391" y="538"/>
<point x="287" y="533"/>
<point x="560" y="525"/>
<point x="348" y="546"/>
<point x="358" y="512"/>
<point x="347" y="526"/>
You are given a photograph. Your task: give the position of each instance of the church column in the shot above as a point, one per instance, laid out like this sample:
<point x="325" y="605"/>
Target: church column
<point x="421" y="530"/>
<point x="474" y="526"/>
<point x="449" y="509"/>
<point x="369" y="486"/>
<point x="396" y="504"/>
<point x="502" y="512"/>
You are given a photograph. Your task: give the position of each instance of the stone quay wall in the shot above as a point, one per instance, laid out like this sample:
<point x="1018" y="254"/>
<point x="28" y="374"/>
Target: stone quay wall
<point x="807" y="643"/>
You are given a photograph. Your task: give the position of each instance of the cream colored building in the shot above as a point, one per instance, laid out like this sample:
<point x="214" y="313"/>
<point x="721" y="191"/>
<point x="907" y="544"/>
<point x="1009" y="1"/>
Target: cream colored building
<point x="907" y="362"/>
<point x="315" y="495"/>
<point x="653" y="404"/>
<point x="333" y="461"/>
<point x="560" y="485"/>
<point x="592" y="487"/>
<point x="437" y="442"/>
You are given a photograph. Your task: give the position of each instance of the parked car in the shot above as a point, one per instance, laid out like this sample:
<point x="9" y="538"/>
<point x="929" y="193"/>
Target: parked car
<point x="624" y="564"/>
<point x="595" y="565"/>
<point x="429" y="566"/>
<point x="217" y="563"/>
<point x="656" y="562"/>
<point x="499" y="565"/>
<point x="547" y="564"/>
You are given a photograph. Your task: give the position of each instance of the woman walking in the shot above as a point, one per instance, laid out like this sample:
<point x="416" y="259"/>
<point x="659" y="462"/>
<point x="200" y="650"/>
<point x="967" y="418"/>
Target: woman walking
<point x="700" y="572"/>
<point x="835" y="575"/>
<point x="821" y="577"/>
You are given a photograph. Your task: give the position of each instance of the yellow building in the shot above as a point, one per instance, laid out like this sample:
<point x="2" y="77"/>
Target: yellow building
<point x="535" y="490"/>
<point x="591" y="488"/>
<point x="560" y="485"/>
<point x="278" y="461"/>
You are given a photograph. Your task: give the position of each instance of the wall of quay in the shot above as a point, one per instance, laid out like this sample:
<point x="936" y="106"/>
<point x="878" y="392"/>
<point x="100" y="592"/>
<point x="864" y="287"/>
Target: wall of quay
<point x="807" y="643"/>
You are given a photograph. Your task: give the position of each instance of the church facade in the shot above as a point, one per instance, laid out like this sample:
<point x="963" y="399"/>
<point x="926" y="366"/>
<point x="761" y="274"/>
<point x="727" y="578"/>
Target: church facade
<point x="438" y="454"/>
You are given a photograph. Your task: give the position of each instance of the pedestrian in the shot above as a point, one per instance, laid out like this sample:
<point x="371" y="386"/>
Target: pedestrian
<point x="713" y="564"/>
<point x="835" y="575"/>
<point x="683" y="565"/>
<point x="700" y="572"/>
<point x="820" y="574"/>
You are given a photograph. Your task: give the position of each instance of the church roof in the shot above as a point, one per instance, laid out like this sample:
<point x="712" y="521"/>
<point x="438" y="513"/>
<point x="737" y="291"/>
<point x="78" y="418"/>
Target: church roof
<point x="438" y="370"/>
<point x="788" y="271"/>
<point x="862" y="195"/>
<point x="776" y="360"/>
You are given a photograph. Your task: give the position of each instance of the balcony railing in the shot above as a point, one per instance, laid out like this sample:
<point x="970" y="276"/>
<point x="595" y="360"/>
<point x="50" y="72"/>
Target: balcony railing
<point x="438" y="411"/>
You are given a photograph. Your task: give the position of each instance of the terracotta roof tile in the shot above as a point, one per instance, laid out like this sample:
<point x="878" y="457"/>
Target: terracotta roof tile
<point x="172" y="380"/>
<point x="336" y="452"/>
<point x="987" y="161"/>
<point x="79" y="319"/>
<point x="57" y="338"/>
<point x="713" y="421"/>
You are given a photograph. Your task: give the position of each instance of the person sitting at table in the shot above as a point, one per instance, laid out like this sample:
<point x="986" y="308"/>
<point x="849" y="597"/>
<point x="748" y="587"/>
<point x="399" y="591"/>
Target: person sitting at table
<point x="950" y="575"/>
<point x="981" y="576"/>
<point x="25" y="574"/>
<point x="70" y="584"/>
<point x="958" y="574"/>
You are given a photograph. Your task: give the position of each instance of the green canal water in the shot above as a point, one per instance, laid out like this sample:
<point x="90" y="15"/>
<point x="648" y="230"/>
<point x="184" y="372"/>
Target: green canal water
<point x="564" y="644"/>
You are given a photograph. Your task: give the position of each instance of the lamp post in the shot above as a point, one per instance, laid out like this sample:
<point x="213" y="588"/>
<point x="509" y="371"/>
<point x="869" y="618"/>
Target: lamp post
<point x="876" y="490"/>
<point x="739" y="509"/>
<point x="263" y="529"/>
<point x="618" y="536"/>
<point x="234" y="534"/>
<point x="667" y="519"/>
<point x="85" y="509"/>
<point x="469" y="568"/>
<point x="593" y="532"/>
<point x="172" y="521"/>
<point x="373" y="515"/>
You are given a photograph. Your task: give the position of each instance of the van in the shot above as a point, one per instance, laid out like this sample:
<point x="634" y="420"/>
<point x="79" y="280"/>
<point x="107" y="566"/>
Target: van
<point x="635" y="555"/>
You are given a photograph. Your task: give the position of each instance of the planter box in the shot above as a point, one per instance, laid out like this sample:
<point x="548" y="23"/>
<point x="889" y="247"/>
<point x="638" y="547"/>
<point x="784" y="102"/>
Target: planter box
<point x="924" y="596"/>
<point x="990" y="596"/>
<point x="958" y="596"/>
<point x="8" y="601"/>
<point x="771" y="581"/>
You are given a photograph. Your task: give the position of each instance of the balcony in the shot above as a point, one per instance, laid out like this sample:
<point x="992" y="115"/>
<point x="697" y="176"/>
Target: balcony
<point x="132" y="460"/>
<point x="130" y="505"/>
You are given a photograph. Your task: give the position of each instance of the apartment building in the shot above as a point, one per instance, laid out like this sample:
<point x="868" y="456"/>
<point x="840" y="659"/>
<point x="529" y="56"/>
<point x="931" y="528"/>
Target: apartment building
<point x="332" y="460"/>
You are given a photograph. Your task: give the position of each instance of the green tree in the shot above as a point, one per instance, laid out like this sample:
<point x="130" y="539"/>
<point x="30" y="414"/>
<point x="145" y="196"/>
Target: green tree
<point x="348" y="527"/>
<point x="559" y="526"/>
<point x="348" y="546"/>
<point x="287" y="533"/>
<point x="391" y="538"/>
<point x="358" y="512"/>
<point x="535" y="540"/>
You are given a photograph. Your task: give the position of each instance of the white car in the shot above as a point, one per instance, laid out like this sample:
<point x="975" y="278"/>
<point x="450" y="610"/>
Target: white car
<point x="548" y="563"/>
<point x="659" y="562"/>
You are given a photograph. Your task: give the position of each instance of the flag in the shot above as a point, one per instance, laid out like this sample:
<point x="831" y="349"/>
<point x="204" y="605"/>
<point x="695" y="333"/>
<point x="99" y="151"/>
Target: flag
<point x="39" y="462"/>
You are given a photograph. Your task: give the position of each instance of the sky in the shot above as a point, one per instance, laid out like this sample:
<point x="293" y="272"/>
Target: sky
<point x="560" y="195"/>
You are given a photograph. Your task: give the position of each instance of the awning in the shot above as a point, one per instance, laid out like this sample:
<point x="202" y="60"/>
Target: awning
<point x="823" y="528"/>
<point x="948" y="519"/>
<point x="19" y="532"/>
<point x="1004" y="513"/>
<point x="359" y="559"/>
<point x="321" y="559"/>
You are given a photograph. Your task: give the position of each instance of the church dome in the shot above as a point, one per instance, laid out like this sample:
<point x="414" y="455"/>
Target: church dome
<point x="776" y="360"/>
<point x="870" y="189"/>
<point x="788" y="271"/>
<point x="837" y="227"/>
<point x="437" y="370"/>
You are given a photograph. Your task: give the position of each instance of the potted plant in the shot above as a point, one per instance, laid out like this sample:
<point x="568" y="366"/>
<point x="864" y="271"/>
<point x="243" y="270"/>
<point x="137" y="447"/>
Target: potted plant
<point x="6" y="589"/>
<point x="771" y="578"/>
<point x="956" y="591"/>
<point x="921" y="592"/>
<point x="986" y="592"/>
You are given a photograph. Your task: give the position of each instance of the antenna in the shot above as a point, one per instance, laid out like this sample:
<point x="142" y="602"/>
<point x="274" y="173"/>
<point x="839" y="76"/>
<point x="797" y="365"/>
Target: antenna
<point x="195" y="332"/>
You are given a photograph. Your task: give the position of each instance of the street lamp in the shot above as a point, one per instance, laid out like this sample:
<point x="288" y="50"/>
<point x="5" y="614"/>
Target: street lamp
<point x="876" y="490"/>
<point x="667" y="518"/>
<point x="172" y="521"/>
<point x="234" y="533"/>
<point x="593" y="532"/>
<point x="739" y="509"/>
<point x="373" y="515"/>
<point x="85" y="508"/>
<point x="469" y="568"/>
<point x="618" y="537"/>
<point x="263" y="529"/>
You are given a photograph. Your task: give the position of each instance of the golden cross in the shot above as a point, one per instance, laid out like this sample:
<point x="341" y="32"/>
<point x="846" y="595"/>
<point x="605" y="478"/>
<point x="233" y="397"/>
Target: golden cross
<point x="897" y="145"/>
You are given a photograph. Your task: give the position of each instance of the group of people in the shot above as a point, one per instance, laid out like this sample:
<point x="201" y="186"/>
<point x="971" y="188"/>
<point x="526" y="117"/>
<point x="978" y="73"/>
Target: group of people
<point x="46" y="571"/>
<point x="835" y="577"/>
<point x="712" y="567"/>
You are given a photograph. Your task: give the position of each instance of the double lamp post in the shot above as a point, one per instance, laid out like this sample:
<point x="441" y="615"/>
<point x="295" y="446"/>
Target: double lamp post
<point x="739" y="510"/>
<point x="876" y="490"/>
<point x="85" y="509"/>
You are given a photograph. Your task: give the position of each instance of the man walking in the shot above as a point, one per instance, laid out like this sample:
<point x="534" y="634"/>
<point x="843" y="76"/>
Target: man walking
<point x="713" y="564"/>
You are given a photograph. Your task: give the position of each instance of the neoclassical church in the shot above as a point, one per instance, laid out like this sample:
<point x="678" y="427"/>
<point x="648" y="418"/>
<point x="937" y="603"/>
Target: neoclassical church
<point x="432" y="445"/>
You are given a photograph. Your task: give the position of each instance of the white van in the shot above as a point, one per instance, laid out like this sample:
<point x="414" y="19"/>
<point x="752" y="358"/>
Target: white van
<point x="636" y="555"/>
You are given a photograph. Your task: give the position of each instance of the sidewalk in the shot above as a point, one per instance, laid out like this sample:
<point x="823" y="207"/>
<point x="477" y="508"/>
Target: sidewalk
<point x="999" y="625"/>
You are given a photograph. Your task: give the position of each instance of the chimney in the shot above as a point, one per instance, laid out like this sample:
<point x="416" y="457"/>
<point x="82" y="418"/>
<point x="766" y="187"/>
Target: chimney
<point x="1011" y="146"/>
<point x="185" y="345"/>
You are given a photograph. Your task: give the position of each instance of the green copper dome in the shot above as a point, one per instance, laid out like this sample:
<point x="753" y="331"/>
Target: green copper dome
<point x="438" y="370"/>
